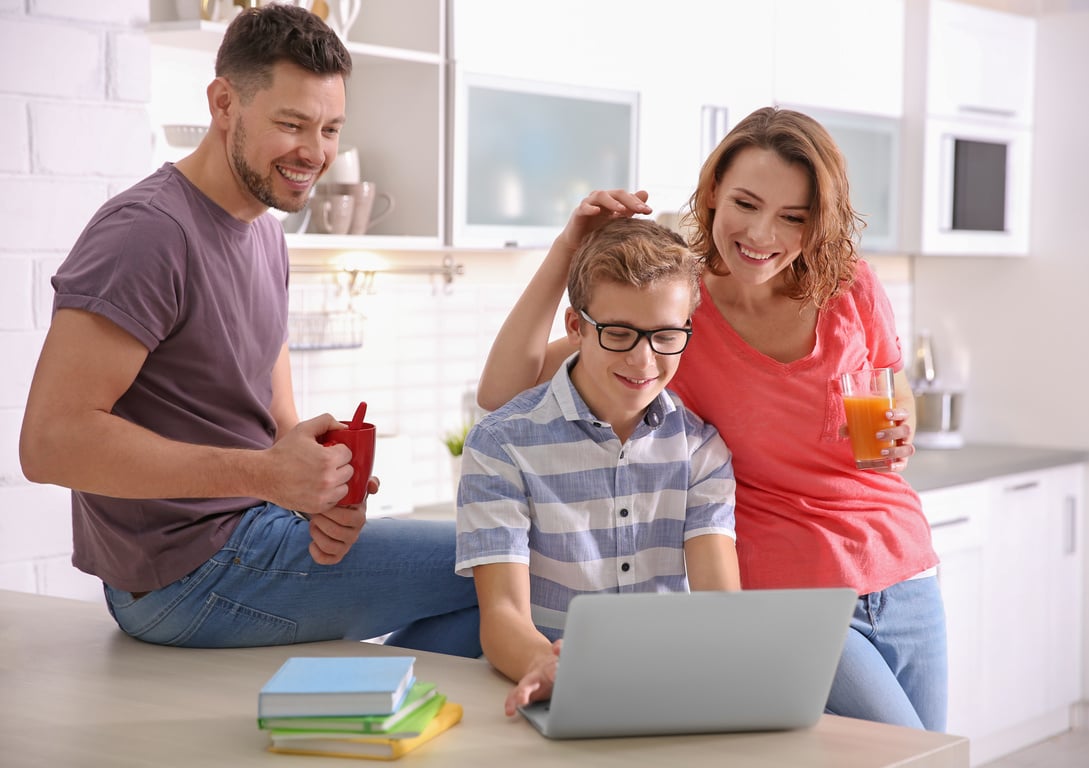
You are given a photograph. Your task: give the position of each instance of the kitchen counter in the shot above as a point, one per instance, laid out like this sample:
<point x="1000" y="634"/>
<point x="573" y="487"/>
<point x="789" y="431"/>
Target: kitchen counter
<point x="930" y="470"/>
<point x="77" y="691"/>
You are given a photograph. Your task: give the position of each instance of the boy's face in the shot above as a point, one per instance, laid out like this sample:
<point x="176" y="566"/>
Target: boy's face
<point x="618" y="386"/>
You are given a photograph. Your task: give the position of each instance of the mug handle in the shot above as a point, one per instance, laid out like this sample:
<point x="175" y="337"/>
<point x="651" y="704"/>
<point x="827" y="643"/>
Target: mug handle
<point x="326" y="215"/>
<point x="377" y="217"/>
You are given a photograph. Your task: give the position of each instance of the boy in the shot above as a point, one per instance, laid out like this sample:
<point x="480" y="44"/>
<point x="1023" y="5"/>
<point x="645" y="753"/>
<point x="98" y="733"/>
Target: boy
<point x="597" y="481"/>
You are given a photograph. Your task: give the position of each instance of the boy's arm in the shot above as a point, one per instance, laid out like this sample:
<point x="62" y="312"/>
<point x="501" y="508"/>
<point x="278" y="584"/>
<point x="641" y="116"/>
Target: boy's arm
<point x="511" y="641"/>
<point x="711" y="562"/>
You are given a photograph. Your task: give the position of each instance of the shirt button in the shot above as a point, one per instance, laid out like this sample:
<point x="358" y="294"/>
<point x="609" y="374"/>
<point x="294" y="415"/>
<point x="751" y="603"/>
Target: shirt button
<point x="623" y="513"/>
<point x="625" y="567"/>
<point x="597" y="423"/>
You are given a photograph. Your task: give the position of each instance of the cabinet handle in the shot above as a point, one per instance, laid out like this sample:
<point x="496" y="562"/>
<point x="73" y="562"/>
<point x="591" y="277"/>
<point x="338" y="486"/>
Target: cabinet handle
<point x="1071" y="544"/>
<point x="977" y="110"/>
<point x="950" y="523"/>
<point x="1026" y="486"/>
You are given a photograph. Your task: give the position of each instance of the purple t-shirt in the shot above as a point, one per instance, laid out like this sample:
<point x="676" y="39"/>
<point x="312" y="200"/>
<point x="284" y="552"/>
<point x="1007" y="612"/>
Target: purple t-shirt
<point x="207" y="295"/>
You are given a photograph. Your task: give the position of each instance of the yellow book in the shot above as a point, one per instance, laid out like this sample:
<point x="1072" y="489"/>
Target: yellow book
<point x="369" y="747"/>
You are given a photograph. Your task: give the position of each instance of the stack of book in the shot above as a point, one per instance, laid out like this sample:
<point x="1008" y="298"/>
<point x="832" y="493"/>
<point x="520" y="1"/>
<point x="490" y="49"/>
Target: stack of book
<point x="352" y="706"/>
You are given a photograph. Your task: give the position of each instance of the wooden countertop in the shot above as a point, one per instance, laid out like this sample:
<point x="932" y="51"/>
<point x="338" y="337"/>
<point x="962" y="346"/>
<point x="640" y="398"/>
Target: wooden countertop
<point x="76" y="691"/>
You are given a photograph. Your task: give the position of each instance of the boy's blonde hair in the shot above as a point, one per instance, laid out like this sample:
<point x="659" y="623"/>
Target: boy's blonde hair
<point x="635" y="252"/>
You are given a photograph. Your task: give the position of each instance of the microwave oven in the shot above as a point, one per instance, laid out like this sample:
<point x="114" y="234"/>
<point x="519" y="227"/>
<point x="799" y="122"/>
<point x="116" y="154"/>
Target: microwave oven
<point x="976" y="188"/>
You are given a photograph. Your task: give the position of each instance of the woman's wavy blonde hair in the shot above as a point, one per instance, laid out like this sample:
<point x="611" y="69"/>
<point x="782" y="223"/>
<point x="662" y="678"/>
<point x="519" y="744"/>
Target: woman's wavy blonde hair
<point x="826" y="265"/>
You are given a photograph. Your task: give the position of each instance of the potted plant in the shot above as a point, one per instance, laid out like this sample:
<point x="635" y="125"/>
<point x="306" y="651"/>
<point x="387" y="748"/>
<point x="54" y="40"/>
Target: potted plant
<point x="455" y="443"/>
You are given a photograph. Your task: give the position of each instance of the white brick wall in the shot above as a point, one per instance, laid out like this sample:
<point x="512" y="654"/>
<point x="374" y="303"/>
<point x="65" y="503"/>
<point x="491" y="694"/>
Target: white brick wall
<point x="73" y="130"/>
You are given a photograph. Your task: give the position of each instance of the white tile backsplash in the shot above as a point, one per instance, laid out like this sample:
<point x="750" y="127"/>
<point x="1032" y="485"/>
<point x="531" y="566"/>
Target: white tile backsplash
<point x="423" y="350"/>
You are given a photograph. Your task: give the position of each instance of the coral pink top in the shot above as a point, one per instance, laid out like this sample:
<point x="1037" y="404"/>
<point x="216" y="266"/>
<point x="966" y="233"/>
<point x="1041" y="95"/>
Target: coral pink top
<point x="805" y="516"/>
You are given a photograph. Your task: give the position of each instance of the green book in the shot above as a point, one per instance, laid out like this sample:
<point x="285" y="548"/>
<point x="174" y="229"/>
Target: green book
<point x="418" y="700"/>
<point x="408" y="727"/>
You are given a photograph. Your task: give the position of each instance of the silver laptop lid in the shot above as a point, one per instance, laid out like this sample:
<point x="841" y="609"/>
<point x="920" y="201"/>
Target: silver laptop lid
<point x="661" y="663"/>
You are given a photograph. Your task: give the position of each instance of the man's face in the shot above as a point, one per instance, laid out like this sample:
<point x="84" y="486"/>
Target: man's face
<point x="618" y="386"/>
<point x="286" y="136"/>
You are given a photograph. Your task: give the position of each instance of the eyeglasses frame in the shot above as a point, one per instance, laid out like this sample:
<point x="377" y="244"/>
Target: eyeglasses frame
<point x="640" y="334"/>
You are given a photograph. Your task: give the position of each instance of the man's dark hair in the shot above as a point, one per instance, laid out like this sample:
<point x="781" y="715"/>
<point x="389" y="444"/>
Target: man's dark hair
<point x="259" y="38"/>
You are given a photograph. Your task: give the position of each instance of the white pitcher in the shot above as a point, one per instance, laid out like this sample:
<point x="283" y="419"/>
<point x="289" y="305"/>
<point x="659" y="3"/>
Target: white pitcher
<point x="342" y="15"/>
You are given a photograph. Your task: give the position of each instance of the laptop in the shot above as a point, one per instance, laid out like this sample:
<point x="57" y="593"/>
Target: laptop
<point x="704" y="662"/>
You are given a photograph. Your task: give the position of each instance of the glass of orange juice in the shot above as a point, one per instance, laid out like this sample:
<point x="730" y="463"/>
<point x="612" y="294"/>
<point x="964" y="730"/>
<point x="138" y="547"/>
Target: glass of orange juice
<point x="867" y="397"/>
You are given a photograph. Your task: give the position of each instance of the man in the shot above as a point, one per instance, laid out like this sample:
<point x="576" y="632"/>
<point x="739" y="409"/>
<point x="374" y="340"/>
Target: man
<point x="163" y="393"/>
<point x="597" y="481"/>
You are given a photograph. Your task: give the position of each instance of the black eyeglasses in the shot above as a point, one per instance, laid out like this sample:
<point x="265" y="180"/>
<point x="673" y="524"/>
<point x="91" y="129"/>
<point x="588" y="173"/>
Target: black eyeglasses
<point x="621" y="338"/>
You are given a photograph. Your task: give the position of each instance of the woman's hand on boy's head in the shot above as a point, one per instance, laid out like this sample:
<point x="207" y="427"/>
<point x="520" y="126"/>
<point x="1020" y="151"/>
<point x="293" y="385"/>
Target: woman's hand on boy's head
<point x="599" y="208"/>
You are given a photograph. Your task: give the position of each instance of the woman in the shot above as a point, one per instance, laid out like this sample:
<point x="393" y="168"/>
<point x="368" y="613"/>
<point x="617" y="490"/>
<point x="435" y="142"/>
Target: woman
<point x="786" y="307"/>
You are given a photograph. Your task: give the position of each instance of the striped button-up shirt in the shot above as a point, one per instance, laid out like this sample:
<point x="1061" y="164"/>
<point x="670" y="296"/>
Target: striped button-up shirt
<point x="546" y="483"/>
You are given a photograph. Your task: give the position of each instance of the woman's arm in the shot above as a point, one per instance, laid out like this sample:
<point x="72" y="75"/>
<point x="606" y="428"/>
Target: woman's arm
<point x="521" y="356"/>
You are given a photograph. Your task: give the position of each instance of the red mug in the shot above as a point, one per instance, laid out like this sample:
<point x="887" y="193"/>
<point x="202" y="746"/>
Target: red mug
<point x="361" y="441"/>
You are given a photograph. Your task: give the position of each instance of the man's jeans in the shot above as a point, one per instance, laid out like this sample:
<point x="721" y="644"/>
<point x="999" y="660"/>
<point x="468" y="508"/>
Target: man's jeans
<point x="263" y="588"/>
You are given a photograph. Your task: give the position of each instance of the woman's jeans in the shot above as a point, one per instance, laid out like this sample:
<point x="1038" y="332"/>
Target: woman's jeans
<point x="263" y="588"/>
<point x="894" y="667"/>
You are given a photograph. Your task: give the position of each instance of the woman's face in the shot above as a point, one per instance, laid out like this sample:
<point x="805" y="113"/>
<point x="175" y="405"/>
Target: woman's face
<point x="761" y="209"/>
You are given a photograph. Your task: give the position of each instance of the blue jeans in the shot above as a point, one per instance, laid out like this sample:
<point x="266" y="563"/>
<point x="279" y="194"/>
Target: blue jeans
<point x="894" y="666"/>
<point x="263" y="588"/>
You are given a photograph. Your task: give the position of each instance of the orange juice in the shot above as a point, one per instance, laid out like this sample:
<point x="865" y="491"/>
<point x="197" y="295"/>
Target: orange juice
<point x="866" y="417"/>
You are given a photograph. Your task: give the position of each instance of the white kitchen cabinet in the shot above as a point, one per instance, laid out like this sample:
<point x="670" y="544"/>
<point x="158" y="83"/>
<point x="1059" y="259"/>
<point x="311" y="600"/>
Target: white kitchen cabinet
<point x="677" y="57"/>
<point x="958" y="517"/>
<point x="968" y="102"/>
<point x="1011" y="576"/>
<point x="396" y="108"/>
<point x="840" y="54"/>
<point x="1066" y="560"/>
<point x="981" y="63"/>
<point x="1015" y="618"/>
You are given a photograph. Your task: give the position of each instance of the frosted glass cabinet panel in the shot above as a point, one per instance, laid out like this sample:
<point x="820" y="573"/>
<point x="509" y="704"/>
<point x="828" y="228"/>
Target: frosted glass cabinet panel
<point x="871" y="147"/>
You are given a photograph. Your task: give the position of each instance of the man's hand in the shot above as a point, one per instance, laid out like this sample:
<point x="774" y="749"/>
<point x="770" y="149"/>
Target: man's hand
<point x="305" y="475"/>
<point x="334" y="532"/>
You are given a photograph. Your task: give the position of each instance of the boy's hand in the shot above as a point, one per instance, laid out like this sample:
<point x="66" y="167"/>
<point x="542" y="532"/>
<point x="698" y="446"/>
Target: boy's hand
<point x="536" y="684"/>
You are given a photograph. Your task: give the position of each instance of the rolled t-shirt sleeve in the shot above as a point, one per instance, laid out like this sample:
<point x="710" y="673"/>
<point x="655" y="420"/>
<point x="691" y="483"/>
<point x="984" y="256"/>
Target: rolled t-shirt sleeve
<point x="126" y="272"/>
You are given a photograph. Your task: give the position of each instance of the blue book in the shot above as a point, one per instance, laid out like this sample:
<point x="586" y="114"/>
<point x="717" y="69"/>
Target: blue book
<point x="308" y="686"/>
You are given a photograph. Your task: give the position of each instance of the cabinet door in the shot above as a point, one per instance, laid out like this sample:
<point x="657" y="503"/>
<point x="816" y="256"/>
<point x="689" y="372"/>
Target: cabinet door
<point x="957" y="518"/>
<point x="1065" y="587"/>
<point x="1016" y="621"/>
<point x="981" y="63"/>
<point x="860" y="69"/>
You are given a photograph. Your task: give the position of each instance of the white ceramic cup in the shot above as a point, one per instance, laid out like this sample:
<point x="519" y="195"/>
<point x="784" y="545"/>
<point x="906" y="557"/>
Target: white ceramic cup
<point x="331" y="213"/>
<point x="365" y="194"/>
<point x="345" y="168"/>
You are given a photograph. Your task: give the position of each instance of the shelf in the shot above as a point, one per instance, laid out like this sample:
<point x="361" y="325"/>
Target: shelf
<point x="207" y="35"/>
<point x="309" y="242"/>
